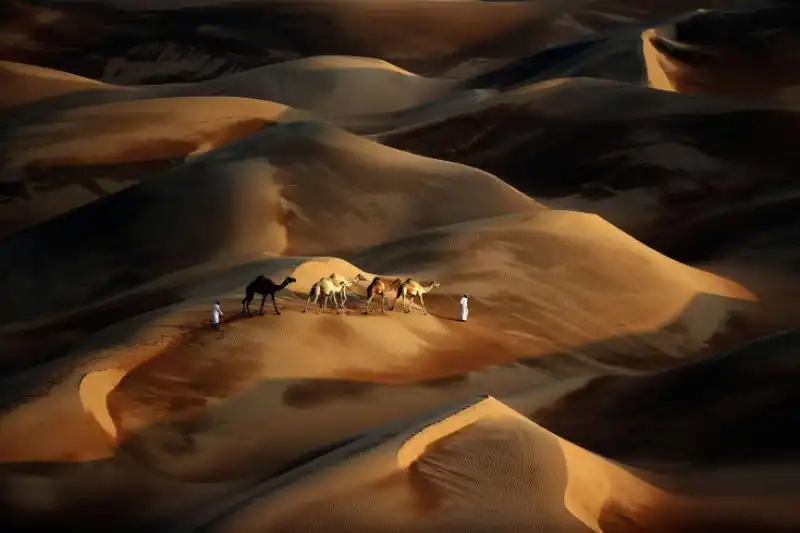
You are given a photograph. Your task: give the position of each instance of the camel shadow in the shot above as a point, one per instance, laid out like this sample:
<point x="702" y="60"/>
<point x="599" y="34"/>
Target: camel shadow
<point x="120" y="490"/>
<point x="616" y="416"/>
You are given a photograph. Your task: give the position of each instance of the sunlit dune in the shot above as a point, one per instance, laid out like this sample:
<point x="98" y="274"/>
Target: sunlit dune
<point x="401" y="265"/>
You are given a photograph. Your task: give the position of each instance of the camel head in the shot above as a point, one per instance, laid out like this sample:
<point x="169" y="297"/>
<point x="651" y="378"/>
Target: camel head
<point x="359" y="277"/>
<point x="435" y="284"/>
<point x="288" y="280"/>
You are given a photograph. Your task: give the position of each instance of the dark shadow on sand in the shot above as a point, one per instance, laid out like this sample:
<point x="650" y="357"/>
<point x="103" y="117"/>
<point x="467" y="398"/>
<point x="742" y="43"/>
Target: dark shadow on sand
<point x="656" y="402"/>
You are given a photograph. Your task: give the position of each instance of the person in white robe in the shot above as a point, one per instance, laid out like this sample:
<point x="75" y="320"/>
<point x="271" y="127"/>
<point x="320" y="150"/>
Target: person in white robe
<point x="464" y="307"/>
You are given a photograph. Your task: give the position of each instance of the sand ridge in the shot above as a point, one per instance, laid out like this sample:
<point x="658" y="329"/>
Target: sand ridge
<point x="28" y="83"/>
<point x="268" y="197"/>
<point x="628" y="252"/>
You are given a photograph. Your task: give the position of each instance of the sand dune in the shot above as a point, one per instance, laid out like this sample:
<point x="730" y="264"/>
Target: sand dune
<point x="149" y="42"/>
<point x="280" y="191"/>
<point x="516" y="470"/>
<point x="475" y="466"/>
<point x="754" y="378"/>
<point x="628" y="153"/>
<point x="74" y="157"/>
<point x="748" y="53"/>
<point x="27" y="83"/>
<point x="620" y="244"/>
<point x="330" y="86"/>
<point x="159" y="382"/>
<point x="418" y="475"/>
<point x="194" y="43"/>
<point x="88" y="144"/>
<point x="557" y="284"/>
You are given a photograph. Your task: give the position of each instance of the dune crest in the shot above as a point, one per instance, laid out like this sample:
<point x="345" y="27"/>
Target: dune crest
<point x="23" y="83"/>
<point x="81" y="155"/>
<point x="94" y="390"/>
<point x="619" y="213"/>
<point x="742" y="53"/>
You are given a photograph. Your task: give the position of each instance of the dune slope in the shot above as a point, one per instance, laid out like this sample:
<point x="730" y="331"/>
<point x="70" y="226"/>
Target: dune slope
<point x="742" y="390"/>
<point x="23" y="83"/>
<point x="618" y="244"/>
<point x="281" y="191"/>
<point x="745" y="53"/>
<point x="667" y="168"/>
<point x="75" y="157"/>
<point x="329" y="85"/>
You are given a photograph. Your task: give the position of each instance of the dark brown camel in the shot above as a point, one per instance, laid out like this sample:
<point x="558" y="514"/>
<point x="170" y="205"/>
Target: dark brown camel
<point x="265" y="287"/>
<point x="379" y="288"/>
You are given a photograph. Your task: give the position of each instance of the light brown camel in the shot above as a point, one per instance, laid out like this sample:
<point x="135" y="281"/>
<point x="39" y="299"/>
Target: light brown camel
<point x="378" y="287"/>
<point x="330" y="287"/>
<point x="356" y="280"/>
<point x="411" y="288"/>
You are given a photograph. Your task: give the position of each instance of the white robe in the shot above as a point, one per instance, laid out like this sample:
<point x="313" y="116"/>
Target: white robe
<point x="216" y="312"/>
<point x="464" y="309"/>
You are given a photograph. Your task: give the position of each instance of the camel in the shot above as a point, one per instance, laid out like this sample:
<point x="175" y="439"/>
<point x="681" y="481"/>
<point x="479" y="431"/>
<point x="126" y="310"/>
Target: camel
<point x="412" y="288"/>
<point x="379" y="288"/>
<point x="356" y="280"/>
<point x="265" y="287"/>
<point x="330" y="287"/>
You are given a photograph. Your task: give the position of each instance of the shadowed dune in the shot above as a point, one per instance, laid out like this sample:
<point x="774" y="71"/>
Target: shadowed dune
<point x="329" y="86"/>
<point x="516" y="474"/>
<point x="280" y="191"/>
<point x="748" y="392"/>
<point x="192" y="43"/>
<point x="675" y="171"/>
<point x="746" y="53"/>
<point x="517" y="470"/>
<point x="167" y="381"/>
<point x="74" y="157"/>
<point x="28" y="83"/>
<point x="152" y="42"/>
<point x="626" y="249"/>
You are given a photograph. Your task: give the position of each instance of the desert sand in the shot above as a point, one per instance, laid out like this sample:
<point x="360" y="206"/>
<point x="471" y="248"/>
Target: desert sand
<point x="621" y="214"/>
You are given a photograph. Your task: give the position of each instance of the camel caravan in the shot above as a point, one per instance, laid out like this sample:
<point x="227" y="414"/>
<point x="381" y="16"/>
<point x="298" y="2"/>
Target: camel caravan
<point x="333" y="289"/>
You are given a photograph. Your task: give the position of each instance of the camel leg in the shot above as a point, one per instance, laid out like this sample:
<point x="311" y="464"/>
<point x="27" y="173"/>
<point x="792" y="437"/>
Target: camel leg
<point x="261" y="309"/>
<point x="308" y="300"/>
<point x="407" y="306"/>
<point x="383" y="303"/>
<point x="422" y="303"/>
<point x="401" y="297"/>
<point x="274" y="304"/>
<point x="369" y="301"/>
<point x="323" y="304"/>
<point x="245" y="308"/>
